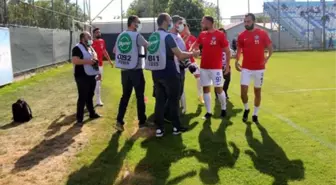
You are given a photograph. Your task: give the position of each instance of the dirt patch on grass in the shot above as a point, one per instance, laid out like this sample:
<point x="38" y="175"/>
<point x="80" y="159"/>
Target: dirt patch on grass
<point x="41" y="151"/>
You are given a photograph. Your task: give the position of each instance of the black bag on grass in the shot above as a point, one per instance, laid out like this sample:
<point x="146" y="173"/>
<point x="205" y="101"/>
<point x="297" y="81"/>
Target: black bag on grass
<point x="21" y="111"/>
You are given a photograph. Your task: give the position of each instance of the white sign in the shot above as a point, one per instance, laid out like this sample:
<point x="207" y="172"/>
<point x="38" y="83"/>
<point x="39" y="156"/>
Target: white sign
<point x="6" y="69"/>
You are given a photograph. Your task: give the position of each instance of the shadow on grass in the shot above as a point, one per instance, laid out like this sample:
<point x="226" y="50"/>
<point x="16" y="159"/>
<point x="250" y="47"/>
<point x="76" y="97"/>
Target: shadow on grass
<point x="214" y="147"/>
<point x="215" y="151"/>
<point x="186" y="118"/>
<point x="154" y="168"/>
<point x="51" y="147"/>
<point x="269" y="158"/>
<point x="10" y="125"/>
<point x="57" y="124"/>
<point x="105" y="168"/>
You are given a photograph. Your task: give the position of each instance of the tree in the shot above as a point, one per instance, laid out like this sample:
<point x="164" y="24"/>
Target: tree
<point x="147" y="8"/>
<point x="39" y="14"/>
<point x="193" y="11"/>
<point x="212" y="10"/>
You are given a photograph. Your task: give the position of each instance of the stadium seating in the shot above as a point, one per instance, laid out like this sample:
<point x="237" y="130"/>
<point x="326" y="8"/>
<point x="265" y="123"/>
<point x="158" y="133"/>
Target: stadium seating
<point x="304" y="20"/>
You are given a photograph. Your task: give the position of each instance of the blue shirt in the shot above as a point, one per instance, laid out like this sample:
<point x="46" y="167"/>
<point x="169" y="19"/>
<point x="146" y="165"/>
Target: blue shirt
<point x="170" y="69"/>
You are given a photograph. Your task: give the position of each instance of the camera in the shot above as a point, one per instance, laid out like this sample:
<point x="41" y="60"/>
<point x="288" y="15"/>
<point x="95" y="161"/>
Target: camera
<point x="95" y="66"/>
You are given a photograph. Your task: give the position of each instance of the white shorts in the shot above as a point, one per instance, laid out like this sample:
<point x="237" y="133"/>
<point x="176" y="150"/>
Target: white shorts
<point x="256" y="75"/>
<point x="212" y="77"/>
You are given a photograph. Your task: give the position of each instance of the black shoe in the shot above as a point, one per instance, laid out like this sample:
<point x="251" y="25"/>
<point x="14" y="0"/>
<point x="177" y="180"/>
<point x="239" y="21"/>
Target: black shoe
<point x="119" y="126"/>
<point x="223" y="113"/>
<point x="255" y="119"/>
<point x="159" y="132"/>
<point x="207" y="116"/>
<point x="79" y="123"/>
<point x="245" y="116"/>
<point x="177" y="131"/>
<point x="95" y="116"/>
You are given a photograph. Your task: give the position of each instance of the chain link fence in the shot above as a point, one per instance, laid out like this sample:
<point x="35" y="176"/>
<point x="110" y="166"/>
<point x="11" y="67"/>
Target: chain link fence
<point x="42" y="33"/>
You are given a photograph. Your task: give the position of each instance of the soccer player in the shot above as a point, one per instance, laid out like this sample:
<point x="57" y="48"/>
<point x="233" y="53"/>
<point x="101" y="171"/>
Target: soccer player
<point x="227" y="77"/>
<point x="214" y="43"/>
<point x="252" y="42"/>
<point x="100" y="47"/>
<point x="189" y="39"/>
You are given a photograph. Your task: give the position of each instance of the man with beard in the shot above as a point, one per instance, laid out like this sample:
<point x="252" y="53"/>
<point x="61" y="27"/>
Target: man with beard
<point x="252" y="42"/>
<point x="213" y="42"/>
<point x="86" y="73"/>
<point x="100" y="47"/>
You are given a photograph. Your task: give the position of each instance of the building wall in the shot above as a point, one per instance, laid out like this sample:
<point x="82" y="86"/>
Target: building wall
<point x="234" y="31"/>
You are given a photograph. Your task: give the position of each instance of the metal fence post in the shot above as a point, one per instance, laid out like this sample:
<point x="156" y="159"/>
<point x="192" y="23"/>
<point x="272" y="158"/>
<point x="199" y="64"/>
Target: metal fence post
<point x="323" y="24"/>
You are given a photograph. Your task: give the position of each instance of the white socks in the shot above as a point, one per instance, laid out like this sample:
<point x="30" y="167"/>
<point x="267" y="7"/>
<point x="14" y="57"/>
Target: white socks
<point x="256" y="110"/>
<point x="207" y="101"/>
<point x="222" y="100"/>
<point x="199" y="87"/>
<point x="184" y="102"/>
<point x="246" y="106"/>
<point x="98" y="91"/>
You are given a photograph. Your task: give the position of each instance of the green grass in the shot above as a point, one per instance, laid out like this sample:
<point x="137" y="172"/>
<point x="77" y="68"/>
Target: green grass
<point x="295" y="143"/>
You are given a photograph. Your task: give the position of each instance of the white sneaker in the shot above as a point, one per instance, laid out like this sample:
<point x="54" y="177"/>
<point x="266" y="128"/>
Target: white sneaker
<point x="184" y="111"/>
<point x="100" y="103"/>
<point x="159" y="132"/>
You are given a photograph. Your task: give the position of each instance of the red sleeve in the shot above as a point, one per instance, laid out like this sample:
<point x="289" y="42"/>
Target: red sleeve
<point x="223" y="41"/>
<point x="199" y="40"/>
<point x="267" y="40"/>
<point x="104" y="44"/>
<point x="240" y="41"/>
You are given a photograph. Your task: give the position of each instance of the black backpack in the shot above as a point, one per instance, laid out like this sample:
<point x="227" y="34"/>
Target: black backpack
<point x="21" y="111"/>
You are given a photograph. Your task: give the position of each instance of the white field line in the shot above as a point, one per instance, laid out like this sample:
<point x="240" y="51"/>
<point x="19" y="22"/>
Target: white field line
<point x="299" y="128"/>
<point x="306" y="90"/>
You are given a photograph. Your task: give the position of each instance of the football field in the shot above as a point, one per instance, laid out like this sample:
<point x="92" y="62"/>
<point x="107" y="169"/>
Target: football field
<point x="294" y="144"/>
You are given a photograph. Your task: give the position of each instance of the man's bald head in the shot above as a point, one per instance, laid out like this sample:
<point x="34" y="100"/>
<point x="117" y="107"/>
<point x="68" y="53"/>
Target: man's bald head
<point x="163" y="20"/>
<point x="85" y="36"/>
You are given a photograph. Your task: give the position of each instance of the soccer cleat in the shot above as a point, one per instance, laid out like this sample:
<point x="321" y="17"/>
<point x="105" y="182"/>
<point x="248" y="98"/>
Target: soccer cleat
<point x="159" y="132"/>
<point x="245" y="116"/>
<point x="255" y="119"/>
<point x="119" y="127"/>
<point x="223" y="113"/>
<point x="207" y="116"/>
<point x="201" y="100"/>
<point x="184" y="111"/>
